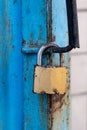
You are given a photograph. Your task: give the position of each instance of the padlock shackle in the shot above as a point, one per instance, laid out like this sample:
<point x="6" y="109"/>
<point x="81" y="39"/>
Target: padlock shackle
<point x="42" y="49"/>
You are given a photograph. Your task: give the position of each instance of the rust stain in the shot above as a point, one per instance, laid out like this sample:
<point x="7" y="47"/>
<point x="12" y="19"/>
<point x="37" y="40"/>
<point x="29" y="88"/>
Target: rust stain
<point x="49" y="111"/>
<point x="62" y="59"/>
<point x="57" y="102"/>
<point x="55" y="107"/>
<point x="53" y="38"/>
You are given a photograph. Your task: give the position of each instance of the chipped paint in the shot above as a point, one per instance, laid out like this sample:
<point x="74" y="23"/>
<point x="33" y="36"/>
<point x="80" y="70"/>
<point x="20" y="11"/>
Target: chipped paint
<point x="60" y="106"/>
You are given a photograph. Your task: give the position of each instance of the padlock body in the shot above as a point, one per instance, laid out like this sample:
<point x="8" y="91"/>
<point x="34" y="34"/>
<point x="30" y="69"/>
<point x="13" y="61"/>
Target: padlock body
<point x="50" y="80"/>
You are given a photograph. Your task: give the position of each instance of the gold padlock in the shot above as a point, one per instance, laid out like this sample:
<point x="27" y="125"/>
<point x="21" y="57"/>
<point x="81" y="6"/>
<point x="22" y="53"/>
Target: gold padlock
<point x="49" y="80"/>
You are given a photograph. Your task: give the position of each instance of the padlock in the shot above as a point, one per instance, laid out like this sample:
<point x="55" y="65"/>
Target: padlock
<point x="49" y="79"/>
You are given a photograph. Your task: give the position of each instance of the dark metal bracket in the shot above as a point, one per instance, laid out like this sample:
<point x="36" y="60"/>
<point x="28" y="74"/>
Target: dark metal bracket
<point x="72" y="27"/>
<point x="72" y="23"/>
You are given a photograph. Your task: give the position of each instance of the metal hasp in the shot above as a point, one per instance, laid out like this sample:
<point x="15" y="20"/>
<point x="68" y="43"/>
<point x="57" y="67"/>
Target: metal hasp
<point x="72" y="27"/>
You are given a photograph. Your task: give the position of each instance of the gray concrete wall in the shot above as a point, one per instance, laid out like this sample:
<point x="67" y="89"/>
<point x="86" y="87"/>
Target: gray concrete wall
<point x="79" y="73"/>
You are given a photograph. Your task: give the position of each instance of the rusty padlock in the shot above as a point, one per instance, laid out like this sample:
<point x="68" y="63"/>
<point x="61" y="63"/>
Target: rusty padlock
<point x="49" y="79"/>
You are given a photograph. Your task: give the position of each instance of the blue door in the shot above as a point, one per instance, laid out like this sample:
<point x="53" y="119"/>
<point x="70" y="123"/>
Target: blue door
<point x="25" y="25"/>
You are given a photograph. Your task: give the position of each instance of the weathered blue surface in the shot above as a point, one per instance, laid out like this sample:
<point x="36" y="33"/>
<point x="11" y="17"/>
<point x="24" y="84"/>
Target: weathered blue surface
<point x="61" y="116"/>
<point x="34" y="21"/>
<point x="11" y="90"/>
<point x="59" y="22"/>
<point x="24" y="25"/>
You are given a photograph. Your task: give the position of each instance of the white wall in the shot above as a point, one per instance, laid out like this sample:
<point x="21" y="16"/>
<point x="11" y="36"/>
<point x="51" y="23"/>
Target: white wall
<point x="79" y="73"/>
